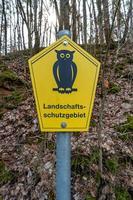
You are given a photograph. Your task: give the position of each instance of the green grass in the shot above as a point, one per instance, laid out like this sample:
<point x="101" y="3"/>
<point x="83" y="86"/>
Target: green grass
<point x="122" y="194"/>
<point x="119" y="68"/>
<point x="89" y="197"/>
<point x="81" y="163"/>
<point x="125" y="127"/>
<point x="5" y="174"/>
<point x="114" y="89"/>
<point x="112" y="165"/>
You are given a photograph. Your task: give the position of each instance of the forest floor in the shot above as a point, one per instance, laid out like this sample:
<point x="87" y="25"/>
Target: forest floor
<point x="27" y="157"/>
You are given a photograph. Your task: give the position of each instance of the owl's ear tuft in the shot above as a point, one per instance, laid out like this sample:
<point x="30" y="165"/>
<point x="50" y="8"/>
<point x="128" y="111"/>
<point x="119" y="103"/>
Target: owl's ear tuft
<point x="56" y="51"/>
<point x="72" y="52"/>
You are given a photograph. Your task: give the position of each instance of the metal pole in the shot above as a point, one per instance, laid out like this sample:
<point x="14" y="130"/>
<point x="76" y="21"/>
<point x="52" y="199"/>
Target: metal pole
<point x="63" y="157"/>
<point x="63" y="166"/>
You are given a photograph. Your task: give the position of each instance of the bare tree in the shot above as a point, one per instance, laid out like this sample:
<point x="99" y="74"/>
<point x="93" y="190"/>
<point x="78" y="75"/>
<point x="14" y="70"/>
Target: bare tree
<point x="4" y="25"/>
<point x="95" y="21"/>
<point x="37" y="38"/>
<point x="85" y="23"/>
<point x="27" y="18"/>
<point x="74" y="21"/>
<point x="100" y="20"/>
<point x="64" y="15"/>
<point x="129" y="14"/>
<point x="106" y="20"/>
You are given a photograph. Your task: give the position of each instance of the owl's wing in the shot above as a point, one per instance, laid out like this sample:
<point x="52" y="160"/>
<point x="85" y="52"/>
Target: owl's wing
<point x="74" y="71"/>
<point x="56" y="72"/>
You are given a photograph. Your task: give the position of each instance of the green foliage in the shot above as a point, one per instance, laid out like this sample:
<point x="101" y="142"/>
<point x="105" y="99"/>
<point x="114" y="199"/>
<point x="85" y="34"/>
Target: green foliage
<point x="1" y="197"/>
<point x="112" y="165"/>
<point x="98" y="177"/>
<point x="93" y="123"/>
<point x="126" y="126"/>
<point x="119" y="68"/>
<point x="81" y="163"/>
<point x="94" y="158"/>
<point x="5" y="174"/>
<point x="122" y="194"/>
<point x="89" y="197"/>
<point x="114" y="88"/>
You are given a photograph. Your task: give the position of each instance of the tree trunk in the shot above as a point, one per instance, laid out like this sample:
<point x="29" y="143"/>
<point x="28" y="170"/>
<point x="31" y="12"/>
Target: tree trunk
<point x="37" y="38"/>
<point x="23" y="38"/>
<point x="106" y="20"/>
<point x="127" y="22"/>
<point x="64" y="15"/>
<point x="85" y="23"/>
<point x="100" y="21"/>
<point x="1" y="34"/>
<point x="74" y="21"/>
<point x="57" y="11"/>
<point x="119" y="21"/>
<point x="5" y="25"/>
<point x="95" y="21"/>
<point x="27" y="19"/>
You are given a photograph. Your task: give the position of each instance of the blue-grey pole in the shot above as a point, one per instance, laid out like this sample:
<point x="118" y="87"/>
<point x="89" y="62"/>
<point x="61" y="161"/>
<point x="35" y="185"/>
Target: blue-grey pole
<point x="63" y="156"/>
<point x="63" y="166"/>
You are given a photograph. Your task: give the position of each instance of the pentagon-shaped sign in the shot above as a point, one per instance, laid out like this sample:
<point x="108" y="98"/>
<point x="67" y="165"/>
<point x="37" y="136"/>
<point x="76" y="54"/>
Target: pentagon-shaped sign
<point x="64" y="79"/>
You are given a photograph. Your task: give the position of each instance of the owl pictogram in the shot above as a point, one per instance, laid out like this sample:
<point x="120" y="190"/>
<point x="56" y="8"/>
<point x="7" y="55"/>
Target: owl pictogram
<point x="64" y="71"/>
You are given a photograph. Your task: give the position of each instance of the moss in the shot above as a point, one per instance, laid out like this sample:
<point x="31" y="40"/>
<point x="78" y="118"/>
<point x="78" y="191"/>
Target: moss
<point x="8" y="75"/>
<point x="122" y="194"/>
<point x="5" y="174"/>
<point x="112" y="165"/>
<point x="2" y="66"/>
<point x="126" y="126"/>
<point x="89" y="197"/>
<point x="10" y="78"/>
<point x="114" y="88"/>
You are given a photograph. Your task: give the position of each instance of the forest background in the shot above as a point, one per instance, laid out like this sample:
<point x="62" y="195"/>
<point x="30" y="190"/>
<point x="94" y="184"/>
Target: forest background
<point x="102" y="158"/>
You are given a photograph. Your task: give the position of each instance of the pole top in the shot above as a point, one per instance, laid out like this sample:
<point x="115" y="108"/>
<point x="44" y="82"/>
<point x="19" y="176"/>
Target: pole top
<point x="63" y="32"/>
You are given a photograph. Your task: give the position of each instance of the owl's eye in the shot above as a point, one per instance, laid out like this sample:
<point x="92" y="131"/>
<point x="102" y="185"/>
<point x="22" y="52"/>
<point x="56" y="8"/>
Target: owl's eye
<point x="67" y="55"/>
<point x="62" y="55"/>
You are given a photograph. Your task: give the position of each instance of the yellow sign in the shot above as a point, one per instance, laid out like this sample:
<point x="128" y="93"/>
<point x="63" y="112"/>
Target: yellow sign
<point x="64" y="79"/>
